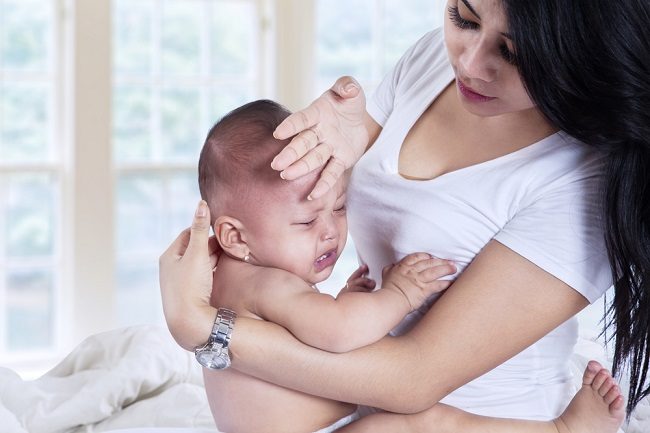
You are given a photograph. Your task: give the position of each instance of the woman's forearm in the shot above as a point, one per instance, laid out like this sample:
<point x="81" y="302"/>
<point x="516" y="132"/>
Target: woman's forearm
<point x="374" y="375"/>
<point x="500" y="305"/>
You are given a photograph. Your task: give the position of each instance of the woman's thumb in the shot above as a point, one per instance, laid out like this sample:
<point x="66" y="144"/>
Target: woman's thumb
<point x="346" y="87"/>
<point x="200" y="230"/>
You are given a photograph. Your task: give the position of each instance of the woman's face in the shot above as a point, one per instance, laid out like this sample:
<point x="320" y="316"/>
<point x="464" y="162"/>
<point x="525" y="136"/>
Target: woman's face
<point x="482" y="55"/>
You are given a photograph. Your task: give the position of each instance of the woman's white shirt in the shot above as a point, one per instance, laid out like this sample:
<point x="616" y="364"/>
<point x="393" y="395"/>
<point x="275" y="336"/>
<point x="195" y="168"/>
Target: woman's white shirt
<point x="540" y="201"/>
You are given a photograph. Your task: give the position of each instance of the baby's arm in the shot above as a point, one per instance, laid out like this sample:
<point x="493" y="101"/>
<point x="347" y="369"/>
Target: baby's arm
<point x="353" y="319"/>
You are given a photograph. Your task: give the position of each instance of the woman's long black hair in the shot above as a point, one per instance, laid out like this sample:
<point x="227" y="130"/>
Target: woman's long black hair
<point x="586" y="64"/>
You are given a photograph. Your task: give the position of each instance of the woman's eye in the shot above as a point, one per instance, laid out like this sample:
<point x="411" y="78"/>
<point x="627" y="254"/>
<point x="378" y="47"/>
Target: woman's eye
<point x="462" y="23"/>
<point x="459" y="21"/>
<point x="508" y="55"/>
<point x="340" y="209"/>
<point x="308" y="223"/>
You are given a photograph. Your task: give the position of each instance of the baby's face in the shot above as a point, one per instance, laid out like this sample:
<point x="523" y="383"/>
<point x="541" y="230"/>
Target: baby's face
<point x="298" y="235"/>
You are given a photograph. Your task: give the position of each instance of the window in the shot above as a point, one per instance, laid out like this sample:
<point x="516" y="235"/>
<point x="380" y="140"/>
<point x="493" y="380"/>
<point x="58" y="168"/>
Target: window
<point x="178" y="65"/>
<point x="370" y="37"/>
<point x="30" y="178"/>
<point x="91" y="195"/>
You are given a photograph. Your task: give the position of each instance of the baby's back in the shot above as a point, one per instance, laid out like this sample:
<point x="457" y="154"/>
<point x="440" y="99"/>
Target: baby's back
<point x="244" y="404"/>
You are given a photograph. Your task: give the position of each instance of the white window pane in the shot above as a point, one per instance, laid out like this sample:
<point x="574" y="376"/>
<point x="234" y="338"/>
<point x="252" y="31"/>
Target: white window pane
<point x="139" y="214"/>
<point x="403" y="26"/>
<point x="24" y="122"/>
<point x="227" y="98"/>
<point x="25" y="35"/>
<point x="132" y="123"/>
<point x="183" y="196"/>
<point x="180" y="115"/>
<point x="234" y="44"/>
<point x="29" y="308"/>
<point x="152" y="209"/>
<point x="133" y="36"/>
<point x="367" y="40"/>
<point x="29" y="214"/>
<point x="181" y="37"/>
<point x="138" y="297"/>
<point x="345" y="45"/>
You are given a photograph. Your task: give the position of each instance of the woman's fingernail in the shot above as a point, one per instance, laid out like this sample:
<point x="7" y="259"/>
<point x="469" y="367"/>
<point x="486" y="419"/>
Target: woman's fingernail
<point x="201" y="210"/>
<point x="349" y="87"/>
<point x="309" y="197"/>
<point x="282" y="175"/>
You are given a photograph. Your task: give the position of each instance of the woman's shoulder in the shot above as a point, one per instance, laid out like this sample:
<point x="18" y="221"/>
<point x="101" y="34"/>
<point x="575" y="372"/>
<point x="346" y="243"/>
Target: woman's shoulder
<point x="559" y="157"/>
<point x="422" y="71"/>
<point x="562" y="156"/>
<point x="428" y="52"/>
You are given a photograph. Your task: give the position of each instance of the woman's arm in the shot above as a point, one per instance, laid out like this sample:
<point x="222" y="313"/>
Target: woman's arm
<point x="500" y="305"/>
<point x="333" y="131"/>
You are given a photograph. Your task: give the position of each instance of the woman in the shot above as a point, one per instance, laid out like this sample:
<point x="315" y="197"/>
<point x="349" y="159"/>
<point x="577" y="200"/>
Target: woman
<point x="489" y="127"/>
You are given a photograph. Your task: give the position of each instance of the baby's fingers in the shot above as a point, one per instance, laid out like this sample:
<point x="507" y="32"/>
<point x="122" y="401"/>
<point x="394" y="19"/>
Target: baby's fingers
<point x="423" y="265"/>
<point x="361" y="285"/>
<point x="437" y="272"/>
<point x="438" y="285"/>
<point x="414" y="258"/>
<point x="360" y="272"/>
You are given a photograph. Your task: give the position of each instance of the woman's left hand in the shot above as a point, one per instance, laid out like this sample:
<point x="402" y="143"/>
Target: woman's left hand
<point x="186" y="281"/>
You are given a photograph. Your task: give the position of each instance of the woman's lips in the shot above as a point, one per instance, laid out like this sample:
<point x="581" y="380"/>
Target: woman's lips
<point x="326" y="260"/>
<point x="471" y="95"/>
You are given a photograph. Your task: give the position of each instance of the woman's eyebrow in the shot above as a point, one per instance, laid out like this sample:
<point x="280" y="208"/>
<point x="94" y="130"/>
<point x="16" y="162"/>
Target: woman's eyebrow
<point x="471" y="9"/>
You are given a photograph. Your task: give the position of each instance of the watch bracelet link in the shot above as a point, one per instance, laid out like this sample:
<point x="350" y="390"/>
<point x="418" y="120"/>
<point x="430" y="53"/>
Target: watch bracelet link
<point x="222" y="327"/>
<point x="214" y="353"/>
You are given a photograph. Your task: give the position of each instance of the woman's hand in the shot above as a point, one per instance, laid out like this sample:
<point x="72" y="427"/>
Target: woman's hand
<point x="186" y="281"/>
<point x="331" y="132"/>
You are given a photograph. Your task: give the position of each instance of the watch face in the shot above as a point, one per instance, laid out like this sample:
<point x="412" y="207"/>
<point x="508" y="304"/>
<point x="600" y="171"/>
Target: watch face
<point x="213" y="359"/>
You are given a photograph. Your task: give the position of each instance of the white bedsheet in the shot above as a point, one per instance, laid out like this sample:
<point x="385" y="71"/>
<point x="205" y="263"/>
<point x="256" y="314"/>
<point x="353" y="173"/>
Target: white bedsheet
<point x="126" y="378"/>
<point x="138" y="377"/>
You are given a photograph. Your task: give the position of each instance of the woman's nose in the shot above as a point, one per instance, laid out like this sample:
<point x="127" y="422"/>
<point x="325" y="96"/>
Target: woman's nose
<point x="477" y="62"/>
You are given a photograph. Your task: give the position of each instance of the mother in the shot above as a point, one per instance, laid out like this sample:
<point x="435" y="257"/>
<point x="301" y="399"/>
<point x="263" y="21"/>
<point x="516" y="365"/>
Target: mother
<point x="510" y="147"/>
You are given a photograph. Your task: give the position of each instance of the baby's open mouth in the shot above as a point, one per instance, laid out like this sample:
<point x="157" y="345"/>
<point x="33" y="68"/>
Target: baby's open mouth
<point x="326" y="260"/>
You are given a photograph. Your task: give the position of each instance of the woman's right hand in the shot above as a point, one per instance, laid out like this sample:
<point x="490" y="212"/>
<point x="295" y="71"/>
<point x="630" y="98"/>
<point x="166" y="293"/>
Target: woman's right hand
<point x="186" y="281"/>
<point x="331" y="133"/>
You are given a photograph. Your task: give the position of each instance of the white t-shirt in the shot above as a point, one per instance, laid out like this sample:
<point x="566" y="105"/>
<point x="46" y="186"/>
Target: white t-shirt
<point x="541" y="201"/>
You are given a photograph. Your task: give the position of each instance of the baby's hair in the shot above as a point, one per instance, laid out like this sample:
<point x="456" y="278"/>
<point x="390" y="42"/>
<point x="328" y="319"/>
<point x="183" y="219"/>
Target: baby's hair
<point x="238" y="151"/>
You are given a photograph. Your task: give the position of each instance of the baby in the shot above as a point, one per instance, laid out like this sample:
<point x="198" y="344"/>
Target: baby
<point x="277" y="245"/>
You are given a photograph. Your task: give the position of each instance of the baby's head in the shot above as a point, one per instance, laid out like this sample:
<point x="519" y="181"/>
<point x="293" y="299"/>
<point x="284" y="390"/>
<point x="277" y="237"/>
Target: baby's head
<point x="258" y="215"/>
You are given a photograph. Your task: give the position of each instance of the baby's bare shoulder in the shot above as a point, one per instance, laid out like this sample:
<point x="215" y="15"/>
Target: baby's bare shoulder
<point x="277" y="280"/>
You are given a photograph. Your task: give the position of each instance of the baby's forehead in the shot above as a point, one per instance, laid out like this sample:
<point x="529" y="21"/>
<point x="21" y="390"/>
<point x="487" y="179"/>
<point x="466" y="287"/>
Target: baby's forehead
<point x="296" y="191"/>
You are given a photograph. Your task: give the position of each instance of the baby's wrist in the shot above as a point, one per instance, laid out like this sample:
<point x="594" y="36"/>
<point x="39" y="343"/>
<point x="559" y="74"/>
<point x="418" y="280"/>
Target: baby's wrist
<point x="398" y="292"/>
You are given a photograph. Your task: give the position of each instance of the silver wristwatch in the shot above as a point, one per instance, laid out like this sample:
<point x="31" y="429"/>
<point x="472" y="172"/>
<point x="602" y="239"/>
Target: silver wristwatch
<point x="214" y="354"/>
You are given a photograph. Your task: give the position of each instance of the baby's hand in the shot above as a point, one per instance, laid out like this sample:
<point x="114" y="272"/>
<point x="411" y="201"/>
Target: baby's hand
<point x="359" y="282"/>
<point x="416" y="277"/>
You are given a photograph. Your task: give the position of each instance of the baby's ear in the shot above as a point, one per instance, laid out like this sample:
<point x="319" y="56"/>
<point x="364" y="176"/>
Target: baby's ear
<point x="227" y="230"/>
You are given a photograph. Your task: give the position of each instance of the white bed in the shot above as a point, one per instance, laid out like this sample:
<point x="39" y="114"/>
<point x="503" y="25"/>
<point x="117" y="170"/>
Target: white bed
<point x="137" y="380"/>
